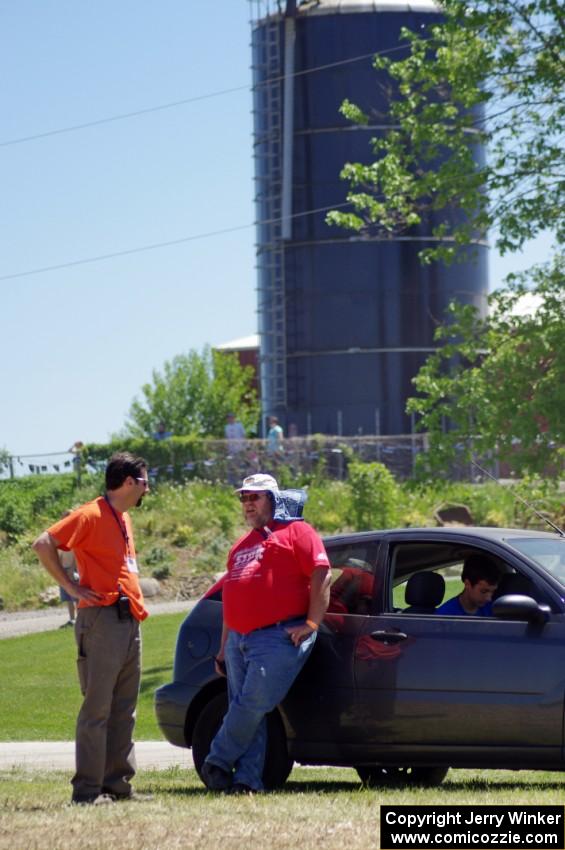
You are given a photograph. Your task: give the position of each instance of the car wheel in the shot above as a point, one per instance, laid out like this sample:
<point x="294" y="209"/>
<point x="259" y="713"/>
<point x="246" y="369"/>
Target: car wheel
<point x="374" y="775"/>
<point x="278" y="764"/>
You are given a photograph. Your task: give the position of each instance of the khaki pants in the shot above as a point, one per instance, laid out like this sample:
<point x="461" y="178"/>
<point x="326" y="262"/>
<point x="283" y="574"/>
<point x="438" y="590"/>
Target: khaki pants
<point x="109" y="670"/>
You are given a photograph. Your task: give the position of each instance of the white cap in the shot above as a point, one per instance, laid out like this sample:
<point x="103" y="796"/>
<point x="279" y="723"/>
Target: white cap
<point x="258" y="482"/>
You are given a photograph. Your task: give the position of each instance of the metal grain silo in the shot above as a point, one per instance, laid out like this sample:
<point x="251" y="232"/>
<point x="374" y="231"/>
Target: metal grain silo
<point x="345" y="322"/>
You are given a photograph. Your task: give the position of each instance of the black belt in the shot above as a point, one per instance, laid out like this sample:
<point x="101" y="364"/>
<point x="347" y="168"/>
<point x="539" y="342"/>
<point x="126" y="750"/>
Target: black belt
<point x="278" y="623"/>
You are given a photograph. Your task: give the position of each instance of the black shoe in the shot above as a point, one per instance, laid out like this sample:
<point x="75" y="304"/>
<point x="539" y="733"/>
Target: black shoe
<point x="132" y="796"/>
<point x="215" y="778"/>
<point x="94" y="800"/>
<point x="241" y="789"/>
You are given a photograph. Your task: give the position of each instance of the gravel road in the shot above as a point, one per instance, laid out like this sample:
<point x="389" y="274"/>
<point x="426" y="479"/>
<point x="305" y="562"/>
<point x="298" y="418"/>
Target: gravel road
<point x="46" y="619"/>
<point x="60" y="755"/>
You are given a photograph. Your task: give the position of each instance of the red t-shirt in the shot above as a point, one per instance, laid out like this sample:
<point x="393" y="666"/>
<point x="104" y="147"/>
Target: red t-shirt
<point x="269" y="576"/>
<point x="103" y="559"/>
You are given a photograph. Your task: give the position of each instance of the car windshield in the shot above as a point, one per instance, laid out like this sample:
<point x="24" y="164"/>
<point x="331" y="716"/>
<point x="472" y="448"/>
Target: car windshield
<point x="548" y="553"/>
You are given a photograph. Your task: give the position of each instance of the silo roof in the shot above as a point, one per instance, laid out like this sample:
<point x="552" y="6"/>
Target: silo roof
<point x="243" y="342"/>
<point x="346" y="7"/>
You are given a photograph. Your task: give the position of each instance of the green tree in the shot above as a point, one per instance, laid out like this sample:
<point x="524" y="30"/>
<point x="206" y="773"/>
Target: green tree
<point x="193" y="394"/>
<point x="499" y="383"/>
<point x="492" y="72"/>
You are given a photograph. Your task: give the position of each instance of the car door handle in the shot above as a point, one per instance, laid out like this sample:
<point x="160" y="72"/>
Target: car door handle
<point x="389" y="637"/>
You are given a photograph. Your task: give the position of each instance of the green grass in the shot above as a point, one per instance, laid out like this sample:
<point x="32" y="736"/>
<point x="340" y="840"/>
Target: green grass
<point x="39" y="692"/>
<point x="321" y="808"/>
<point x="39" y="698"/>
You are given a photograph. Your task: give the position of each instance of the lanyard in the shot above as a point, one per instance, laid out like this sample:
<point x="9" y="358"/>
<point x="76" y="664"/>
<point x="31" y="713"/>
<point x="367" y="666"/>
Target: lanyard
<point x="122" y="527"/>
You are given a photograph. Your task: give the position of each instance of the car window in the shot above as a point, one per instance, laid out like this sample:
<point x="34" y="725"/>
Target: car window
<point x="354" y="582"/>
<point x="547" y="552"/>
<point x="424" y="575"/>
<point x="409" y="559"/>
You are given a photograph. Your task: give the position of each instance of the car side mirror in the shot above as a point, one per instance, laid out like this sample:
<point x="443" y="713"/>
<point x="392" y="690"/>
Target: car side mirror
<point x="514" y="606"/>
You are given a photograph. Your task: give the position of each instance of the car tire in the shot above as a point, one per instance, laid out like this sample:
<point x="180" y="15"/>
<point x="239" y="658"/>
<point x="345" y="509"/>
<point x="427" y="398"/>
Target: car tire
<point x="278" y="764"/>
<point x="375" y="775"/>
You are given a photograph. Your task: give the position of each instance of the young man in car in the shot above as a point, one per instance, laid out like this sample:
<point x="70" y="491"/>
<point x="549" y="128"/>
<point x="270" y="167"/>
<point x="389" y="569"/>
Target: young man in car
<point x="274" y="598"/>
<point x="480" y="577"/>
<point x="110" y="608"/>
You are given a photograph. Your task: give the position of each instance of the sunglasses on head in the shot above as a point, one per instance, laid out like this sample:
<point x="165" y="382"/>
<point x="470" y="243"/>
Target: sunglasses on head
<point x="249" y="497"/>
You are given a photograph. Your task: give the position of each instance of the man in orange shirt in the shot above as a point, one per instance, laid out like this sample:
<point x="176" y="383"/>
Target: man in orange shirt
<point x="110" y="608"/>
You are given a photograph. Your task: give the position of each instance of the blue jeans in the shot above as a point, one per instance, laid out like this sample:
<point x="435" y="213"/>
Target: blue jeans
<point x="261" y="667"/>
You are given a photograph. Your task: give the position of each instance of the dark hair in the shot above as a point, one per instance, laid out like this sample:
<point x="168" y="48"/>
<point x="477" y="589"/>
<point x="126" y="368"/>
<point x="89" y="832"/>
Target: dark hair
<point x="120" y="466"/>
<point x="480" y="568"/>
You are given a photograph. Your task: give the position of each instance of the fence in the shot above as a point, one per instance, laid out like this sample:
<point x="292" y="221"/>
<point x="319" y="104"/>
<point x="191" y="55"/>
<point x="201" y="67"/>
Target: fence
<point x="327" y="456"/>
<point x="181" y="458"/>
<point x="21" y="466"/>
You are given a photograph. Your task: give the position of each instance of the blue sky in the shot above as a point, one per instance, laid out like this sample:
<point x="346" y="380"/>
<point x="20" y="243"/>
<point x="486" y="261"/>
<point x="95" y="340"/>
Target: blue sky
<point x="78" y="343"/>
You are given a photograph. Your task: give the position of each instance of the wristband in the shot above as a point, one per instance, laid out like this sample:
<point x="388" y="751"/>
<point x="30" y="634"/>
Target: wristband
<point x="314" y="626"/>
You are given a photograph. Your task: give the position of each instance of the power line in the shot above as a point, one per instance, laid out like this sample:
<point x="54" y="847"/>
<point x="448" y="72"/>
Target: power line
<point x="168" y="244"/>
<point x="171" y="105"/>
<point x="123" y="116"/>
<point x="120" y="117"/>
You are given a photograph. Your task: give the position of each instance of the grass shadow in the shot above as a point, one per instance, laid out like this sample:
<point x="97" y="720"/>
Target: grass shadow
<point x="153" y="677"/>
<point x="292" y="787"/>
<point x="318" y="786"/>
<point x="505" y="785"/>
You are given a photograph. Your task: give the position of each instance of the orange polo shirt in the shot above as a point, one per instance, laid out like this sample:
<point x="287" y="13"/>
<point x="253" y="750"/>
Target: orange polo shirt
<point x="105" y="562"/>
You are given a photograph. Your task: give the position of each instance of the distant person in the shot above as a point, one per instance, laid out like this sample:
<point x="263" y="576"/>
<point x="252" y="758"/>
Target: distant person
<point x="275" y="437"/>
<point x="161" y="433"/>
<point x="234" y="433"/>
<point x="480" y="577"/>
<point x="107" y="630"/>
<point x="76" y="451"/>
<point x="68" y="563"/>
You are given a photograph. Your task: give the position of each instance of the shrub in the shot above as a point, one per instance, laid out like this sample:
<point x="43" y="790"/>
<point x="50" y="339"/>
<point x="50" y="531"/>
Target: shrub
<point x="375" y="496"/>
<point x="21" y="583"/>
<point x="156" y="555"/>
<point x="328" y="506"/>
<point x="14" y="520"/>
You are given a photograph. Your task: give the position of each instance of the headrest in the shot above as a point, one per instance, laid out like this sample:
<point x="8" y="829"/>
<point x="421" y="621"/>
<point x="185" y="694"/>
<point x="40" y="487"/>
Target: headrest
<point x="514" y="583"/>
<point x="425" y="589"/>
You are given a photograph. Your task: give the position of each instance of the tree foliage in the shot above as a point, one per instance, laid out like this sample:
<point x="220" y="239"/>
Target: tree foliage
<point x="193" y="394"/>
<point x="491" y="73"/>
<point x="499" y="383"/>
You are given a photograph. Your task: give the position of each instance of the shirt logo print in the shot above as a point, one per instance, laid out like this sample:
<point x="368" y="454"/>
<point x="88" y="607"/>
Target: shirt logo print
<point x="243" y="560"/>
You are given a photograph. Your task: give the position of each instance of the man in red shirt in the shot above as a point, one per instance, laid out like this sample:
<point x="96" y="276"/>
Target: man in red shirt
<point x="274" y="597"/>
<point x="110" y="608"/>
